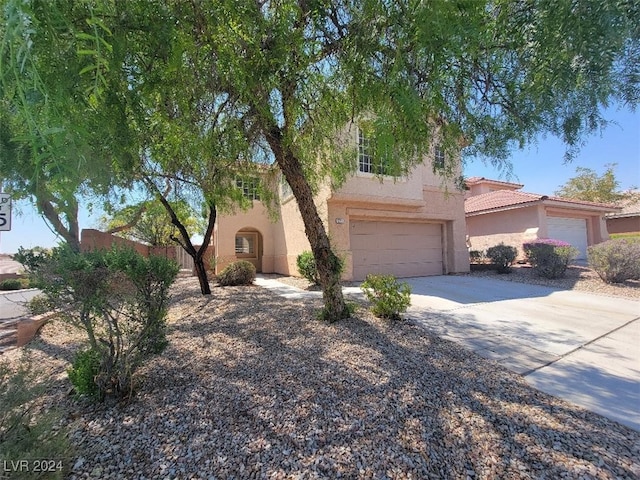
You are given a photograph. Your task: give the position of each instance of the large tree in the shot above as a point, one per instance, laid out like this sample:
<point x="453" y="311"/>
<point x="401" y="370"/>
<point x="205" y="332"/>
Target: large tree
<point x="484" y="75"/>
<point x="588" y="185"/>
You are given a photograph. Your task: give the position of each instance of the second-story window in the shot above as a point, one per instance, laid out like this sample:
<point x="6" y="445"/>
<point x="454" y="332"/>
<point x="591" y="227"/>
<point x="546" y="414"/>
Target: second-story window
<point x="367" y="162"/>
<point x="438" y="158"/>
<point x="249" y="187"/>
<point x="285" y="188"/>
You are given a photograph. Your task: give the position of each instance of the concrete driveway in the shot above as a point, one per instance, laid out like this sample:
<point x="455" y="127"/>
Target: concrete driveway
<point x="579" y="346"/>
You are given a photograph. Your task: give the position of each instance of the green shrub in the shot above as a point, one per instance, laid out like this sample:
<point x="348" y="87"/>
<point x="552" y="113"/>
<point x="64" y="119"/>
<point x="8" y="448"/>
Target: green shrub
<point x="120" y="300"/>
<point x="27" y="432"/>
<point x="84" y="371"/>
<point x="237" y="273"/>
<point x="39" y="304"/>
<point x="477" y="256"/>
<point x="616" y="261"/>
<point x="389" y="297"/>
<point x="549" y="258"/>
<point x="11" y="284"/>
<point x="306" y="264"/>
<point x="307" y="267"/>
<point x="503" y="256"/>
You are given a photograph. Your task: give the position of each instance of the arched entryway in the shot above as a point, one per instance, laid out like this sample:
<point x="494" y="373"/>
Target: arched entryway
<point x="249" y="246"/>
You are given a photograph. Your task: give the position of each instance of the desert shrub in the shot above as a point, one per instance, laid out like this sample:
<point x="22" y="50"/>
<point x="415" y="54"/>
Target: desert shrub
<point x="477" y="256"/>
<point x="389" y="297"/>
<point x="307" y="267"/>
<point x="27" y="432"/>
<point x="549" y="258"/>
<point x="119" y="299"/>
<point x="306" y="264"/>
<point x="84" y="371"/>
<point x="39" y="304"/>
<point x="11" y="284"/>
<point x="503" y="256"/>
<point x="237" y="273"/>
<point x="617" y="260"/>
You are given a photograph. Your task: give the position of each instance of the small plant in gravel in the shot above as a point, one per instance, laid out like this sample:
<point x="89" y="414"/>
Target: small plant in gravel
<point x="617" y="260"/>
<point x="27" y="432"/>
<point x="84" y="371"/>
<point x="477" y="256"/>
<point x="549" y="258"/>
<point x="120" y="300"/>
<point x="237" y="273"/>
<point x="306" y="264"/>
<point x="503" y="256"/>
<point x="39" y="304"/>
<point x="10" y="284"/>
<point x="389" y="297"/>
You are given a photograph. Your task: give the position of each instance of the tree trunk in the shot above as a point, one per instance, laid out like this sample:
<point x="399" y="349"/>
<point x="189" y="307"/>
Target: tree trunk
<point x="185" y="243"/>
<point x="70" y="234"/>
<point x="201" y="272"/>
<point x="327" y="263"/>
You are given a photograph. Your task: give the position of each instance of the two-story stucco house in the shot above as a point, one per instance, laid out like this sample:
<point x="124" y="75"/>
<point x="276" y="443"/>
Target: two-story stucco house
<point x="407" y="227"/>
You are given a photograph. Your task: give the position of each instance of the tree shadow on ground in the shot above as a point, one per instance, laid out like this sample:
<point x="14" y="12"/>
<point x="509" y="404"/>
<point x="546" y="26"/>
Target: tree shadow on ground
<point x="256" y="385"/>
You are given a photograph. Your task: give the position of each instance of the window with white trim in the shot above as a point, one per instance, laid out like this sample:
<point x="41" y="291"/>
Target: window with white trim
<point x="438" y="157"/>
<point x="367" y="162"/>
<point x="249" y="187"/>
<point x="246" y="245"/>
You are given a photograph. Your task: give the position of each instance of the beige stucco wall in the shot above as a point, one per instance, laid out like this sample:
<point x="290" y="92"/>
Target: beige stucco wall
<point x="511" y="227"/>
<point x="623" y="224"/>
<point x="255" y="218"/>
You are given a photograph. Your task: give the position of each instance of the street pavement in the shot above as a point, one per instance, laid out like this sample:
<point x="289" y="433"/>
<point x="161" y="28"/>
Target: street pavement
<point x="582" y="347"/>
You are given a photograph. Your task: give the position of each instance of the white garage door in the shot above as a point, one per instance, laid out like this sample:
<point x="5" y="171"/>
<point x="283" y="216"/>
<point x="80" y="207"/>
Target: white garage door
<point x="571" y="230"/>
<point x="400" y="249"/>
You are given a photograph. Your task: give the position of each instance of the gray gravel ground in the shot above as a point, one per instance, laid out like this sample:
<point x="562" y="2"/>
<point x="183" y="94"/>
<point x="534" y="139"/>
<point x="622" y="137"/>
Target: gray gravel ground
<point x="253" y="386"/>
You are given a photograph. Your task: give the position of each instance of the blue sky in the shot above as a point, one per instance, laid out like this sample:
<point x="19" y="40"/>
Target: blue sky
<point x="539" y="167"/>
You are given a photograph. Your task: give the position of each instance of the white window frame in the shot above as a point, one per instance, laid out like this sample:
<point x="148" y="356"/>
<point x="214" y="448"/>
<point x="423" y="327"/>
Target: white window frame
<point x="249" y="187"/>
<point x="439" y="157"/>
<point x="252" y="245"/>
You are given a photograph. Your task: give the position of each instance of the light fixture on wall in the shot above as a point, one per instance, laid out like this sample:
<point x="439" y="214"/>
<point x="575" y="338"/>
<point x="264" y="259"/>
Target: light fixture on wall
<point x="339" y="221"/>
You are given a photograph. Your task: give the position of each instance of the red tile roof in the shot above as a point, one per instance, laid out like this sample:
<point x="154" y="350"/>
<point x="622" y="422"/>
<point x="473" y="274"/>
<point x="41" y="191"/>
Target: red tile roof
<point x="476" y="180"/>
<point x="500" y="199"/>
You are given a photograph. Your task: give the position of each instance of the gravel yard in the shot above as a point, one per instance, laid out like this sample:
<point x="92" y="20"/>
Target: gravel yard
<point x="253" y="386"/>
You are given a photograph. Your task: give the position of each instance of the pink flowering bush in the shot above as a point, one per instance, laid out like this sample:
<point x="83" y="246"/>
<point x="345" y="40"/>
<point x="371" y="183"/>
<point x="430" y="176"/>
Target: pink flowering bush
<point x="549" y="258"/>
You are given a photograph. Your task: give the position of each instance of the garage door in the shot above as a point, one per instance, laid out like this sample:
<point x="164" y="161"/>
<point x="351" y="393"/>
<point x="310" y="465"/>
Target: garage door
<point x="400" y="249"/>
<point x="571" y="230"/>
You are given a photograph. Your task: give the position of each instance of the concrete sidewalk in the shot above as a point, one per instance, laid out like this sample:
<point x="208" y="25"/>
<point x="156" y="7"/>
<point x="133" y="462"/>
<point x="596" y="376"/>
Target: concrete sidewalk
<point x="582" y="347"/>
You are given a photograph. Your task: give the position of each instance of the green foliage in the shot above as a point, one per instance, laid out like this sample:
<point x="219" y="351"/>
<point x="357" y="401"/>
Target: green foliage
<point x="25" y="434"/>
<point x="306" y="264"/>
<point x="477" y="256"/>
<point x="237" y="273"/>
<point x="84" y="371"/>
<point x="39" y="304"/>
<point x="616" y="260"/>
<point x="503" y="256"/>
<point x="10" y="284"/>
<point x="589" y="186"/>
<point x="389" y="297"/>
<point x="549" y="258"/>
<point x="629" y="236"/>
<point x="120" y="300"/>
<point x="148" y="222"/>
<point x="307" y="267"/>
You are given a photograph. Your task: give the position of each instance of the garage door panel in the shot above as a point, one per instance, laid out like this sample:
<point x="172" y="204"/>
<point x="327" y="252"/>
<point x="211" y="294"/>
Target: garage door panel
<point x="401" y="249"/>
<point x="570" y="230"/>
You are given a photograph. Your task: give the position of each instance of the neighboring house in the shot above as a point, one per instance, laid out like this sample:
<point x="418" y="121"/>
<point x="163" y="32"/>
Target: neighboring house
<point x="627" y="220"/>
<point x="406" y="227"/>
<point x="499" y="212"/>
